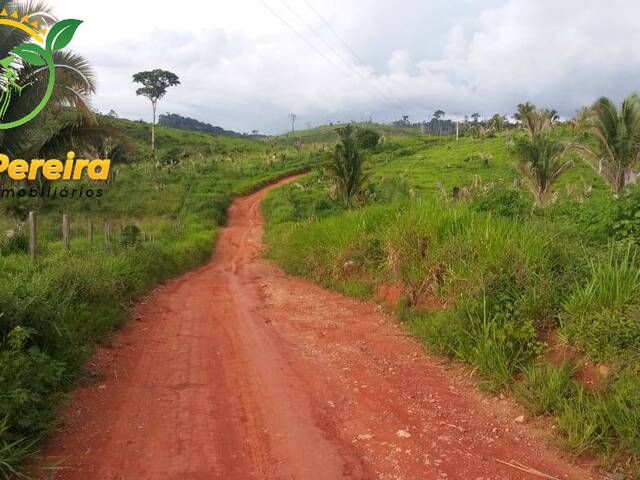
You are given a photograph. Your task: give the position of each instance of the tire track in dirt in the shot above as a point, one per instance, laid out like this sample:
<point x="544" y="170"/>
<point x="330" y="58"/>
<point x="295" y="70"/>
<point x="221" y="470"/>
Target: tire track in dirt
<point x="237" y="371"/>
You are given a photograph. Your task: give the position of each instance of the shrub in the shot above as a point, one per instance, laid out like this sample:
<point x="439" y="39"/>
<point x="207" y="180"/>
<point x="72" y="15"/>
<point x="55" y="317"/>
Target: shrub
<point x="27" y="377"/>
<point x="366" y="138"/>
<point x="130" y="235"/>
<point x="502" y="201"/>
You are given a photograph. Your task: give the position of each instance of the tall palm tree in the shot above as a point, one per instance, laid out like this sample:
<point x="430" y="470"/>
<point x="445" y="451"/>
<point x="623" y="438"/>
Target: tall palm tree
<point x="615" y="135"/>
<point x="347" y="167"/>
<point x="540" y="161"/>
<point x="75" y="82"/>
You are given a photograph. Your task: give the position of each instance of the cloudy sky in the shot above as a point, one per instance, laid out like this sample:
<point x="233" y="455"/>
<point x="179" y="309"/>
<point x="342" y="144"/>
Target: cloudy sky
<point x="246" y="64"/>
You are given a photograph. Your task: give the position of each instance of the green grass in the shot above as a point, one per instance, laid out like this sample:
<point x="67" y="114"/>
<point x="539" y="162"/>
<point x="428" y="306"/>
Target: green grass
<point x="602" y="316"/>
<point x="545" y="387"/>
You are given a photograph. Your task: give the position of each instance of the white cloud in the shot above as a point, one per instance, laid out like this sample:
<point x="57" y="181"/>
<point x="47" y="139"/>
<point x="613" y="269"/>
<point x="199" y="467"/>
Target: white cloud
<point x="243" y="69"/>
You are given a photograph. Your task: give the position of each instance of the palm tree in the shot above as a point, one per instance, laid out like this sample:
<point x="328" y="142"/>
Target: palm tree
<point x="534" y="121"/>
<point x="553" y="114"/>
<point x="75" y="82"/>
<point x="540" y="162"/>
<point x="615" y="149"/>
<point x="346" y="167"/>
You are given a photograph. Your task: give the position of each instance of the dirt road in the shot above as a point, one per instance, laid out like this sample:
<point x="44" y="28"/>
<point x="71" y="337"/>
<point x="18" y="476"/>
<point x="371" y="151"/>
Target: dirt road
<point x="236" y="371"/>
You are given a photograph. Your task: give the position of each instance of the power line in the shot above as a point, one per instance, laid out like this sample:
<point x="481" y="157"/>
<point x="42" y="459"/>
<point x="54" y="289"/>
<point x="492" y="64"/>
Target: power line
<point x="387" y="98"/>
<point x="353" y="52"/>
<point x="310" y="44"/>
<point x="328" y="25"/>
<point x="311" y="29"/>
<point x="302" y="37"/>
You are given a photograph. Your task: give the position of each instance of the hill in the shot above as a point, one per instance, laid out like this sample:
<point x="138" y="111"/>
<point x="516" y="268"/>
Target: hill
<point x="185" y="123"/>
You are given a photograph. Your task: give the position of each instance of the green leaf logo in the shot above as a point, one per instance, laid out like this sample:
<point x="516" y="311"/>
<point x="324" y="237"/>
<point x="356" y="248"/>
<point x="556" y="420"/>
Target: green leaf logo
<point x="61" y="34"/>
<point x="31" y="53"/>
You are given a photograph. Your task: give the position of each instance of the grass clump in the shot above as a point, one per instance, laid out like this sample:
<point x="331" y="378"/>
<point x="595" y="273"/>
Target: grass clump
<point x="545" y="387"/>
<point x="602" y="316"/>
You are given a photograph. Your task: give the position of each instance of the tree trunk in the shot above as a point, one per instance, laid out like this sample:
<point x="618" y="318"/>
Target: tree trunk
<point x="153" y="130"/>
<point x="619" y="182"/>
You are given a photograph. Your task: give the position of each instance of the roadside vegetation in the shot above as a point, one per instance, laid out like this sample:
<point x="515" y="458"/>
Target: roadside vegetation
<point x="163" y="217"/>
<point x="166" y="197"/>
<point x="514" y="252"/>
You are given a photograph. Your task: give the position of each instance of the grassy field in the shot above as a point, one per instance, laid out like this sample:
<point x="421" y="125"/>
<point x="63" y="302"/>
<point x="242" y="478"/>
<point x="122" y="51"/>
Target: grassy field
<point x="539" y="302"/>
<point x="163" y="219"/>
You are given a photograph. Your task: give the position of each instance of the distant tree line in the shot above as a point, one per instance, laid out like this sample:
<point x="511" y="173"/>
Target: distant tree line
<point x="185" y="123"/>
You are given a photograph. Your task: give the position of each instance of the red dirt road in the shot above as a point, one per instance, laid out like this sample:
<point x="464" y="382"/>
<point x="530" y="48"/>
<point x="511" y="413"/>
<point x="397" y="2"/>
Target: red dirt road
<point x="236" y="371"/>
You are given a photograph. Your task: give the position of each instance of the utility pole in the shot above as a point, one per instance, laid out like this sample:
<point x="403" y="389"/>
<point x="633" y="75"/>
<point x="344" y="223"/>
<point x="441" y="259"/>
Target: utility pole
<point x="457" y="131"/>
<point x="293" y="117"/>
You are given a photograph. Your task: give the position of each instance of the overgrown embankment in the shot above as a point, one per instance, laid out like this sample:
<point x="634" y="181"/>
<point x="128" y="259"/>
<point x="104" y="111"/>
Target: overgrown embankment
<point x="529" y="304"/>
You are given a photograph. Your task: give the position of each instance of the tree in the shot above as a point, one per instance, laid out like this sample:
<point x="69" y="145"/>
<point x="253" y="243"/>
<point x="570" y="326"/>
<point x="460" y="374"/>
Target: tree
<point x="615" y="149"/>
<point x="293" y="118"/>
<point x="553" y="115"/>
<point x="475" y="117"/>
<point x="346" y="167"/>
<point x="540" y="161"/>
<point x="534" y="121"/>
<point x="154" y="86"/>
<point x="497" y="122"/>
<point x="438" y="114"/>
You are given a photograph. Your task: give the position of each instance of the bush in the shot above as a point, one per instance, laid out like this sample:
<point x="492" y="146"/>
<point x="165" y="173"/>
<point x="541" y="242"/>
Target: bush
<point x="130" y="235"/>
<point x="27" y="377"/>
<point x="366" y="138"/>
<point x="502" y="201"/>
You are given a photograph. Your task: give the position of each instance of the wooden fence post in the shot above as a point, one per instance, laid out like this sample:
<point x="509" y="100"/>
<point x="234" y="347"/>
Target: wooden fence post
<point x="90" y="231"/>
<point x="33" y="235"/>
<point x="66" y="232"/>
<point x="107" y="239"/>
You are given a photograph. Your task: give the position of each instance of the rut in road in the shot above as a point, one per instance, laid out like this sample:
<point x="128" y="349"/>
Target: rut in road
<point x="237" y="371"/>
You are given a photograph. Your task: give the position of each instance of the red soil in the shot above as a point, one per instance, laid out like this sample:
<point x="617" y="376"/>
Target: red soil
<point x="237" y="371"/>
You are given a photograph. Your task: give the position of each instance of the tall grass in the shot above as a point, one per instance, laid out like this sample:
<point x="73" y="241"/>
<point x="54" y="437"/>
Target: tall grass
<point x="601" y="316"/>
